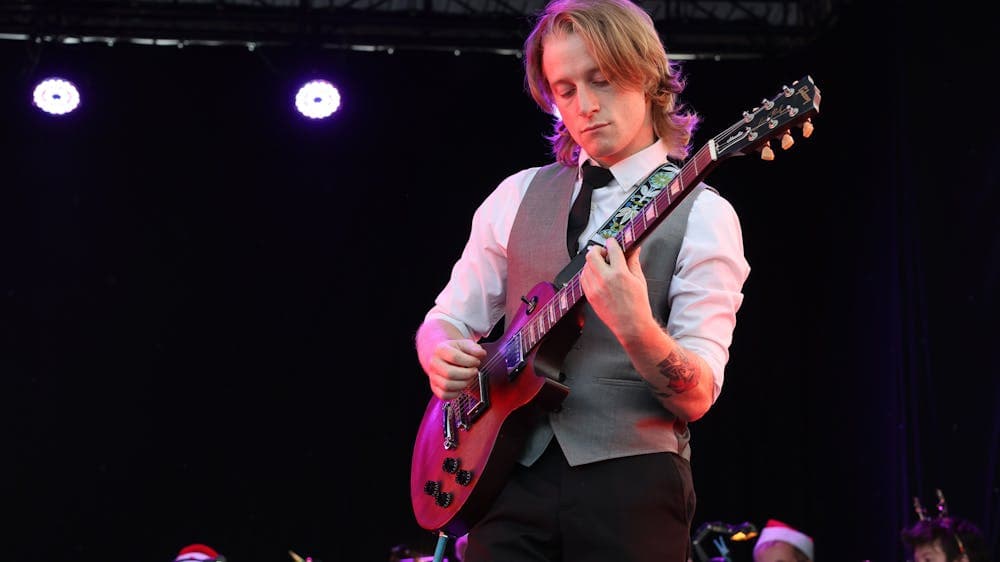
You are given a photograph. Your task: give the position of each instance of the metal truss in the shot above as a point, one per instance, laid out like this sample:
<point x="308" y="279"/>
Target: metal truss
<point x="692" y="28"/>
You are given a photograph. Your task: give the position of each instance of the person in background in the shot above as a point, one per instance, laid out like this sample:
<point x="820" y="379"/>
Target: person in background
<point x="606" y="476"/>
<point x="945" y="539"/>
<point x="199" y="553"/>
<point x="780" y="542"/>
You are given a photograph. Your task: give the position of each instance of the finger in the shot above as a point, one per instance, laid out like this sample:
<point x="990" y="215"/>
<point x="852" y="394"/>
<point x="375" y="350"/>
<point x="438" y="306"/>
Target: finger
<point x="614" y="251"/>
<point x="472" y="348"/>
<point x="633" y="261"/>
<point x="457" y="380"/>
<point x="453" y="379"/>
<point x="597" y="256"/>
<point x="463" y="353"/>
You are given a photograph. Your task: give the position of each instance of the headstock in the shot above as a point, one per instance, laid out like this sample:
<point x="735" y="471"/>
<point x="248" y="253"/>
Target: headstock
<point x="794" y="106"/>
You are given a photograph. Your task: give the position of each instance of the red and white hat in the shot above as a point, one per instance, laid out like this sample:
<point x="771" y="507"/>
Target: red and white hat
<point x="777" y="531"/>
<point x="197" y="553"/>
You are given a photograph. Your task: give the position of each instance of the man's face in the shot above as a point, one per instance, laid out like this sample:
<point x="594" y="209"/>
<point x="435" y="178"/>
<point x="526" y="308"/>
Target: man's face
<point x="776" y="552"/>
<point x="610" y="122"/>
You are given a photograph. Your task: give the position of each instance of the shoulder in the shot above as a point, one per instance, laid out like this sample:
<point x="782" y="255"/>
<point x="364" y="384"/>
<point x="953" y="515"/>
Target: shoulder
<point x="507" y="195"/>
<point x="710" y="203"/>
<point x="713" y="218"/>
<point x="514" y="186"/>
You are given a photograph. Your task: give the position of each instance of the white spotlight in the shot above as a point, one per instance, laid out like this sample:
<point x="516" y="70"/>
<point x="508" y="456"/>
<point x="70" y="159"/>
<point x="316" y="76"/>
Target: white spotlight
<point x="56" y="96"/>
<point x="317" y="99"/>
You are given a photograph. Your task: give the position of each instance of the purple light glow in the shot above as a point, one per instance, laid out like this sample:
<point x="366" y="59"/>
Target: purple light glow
<point x="56" y="96"/>
<point x="317" y="99"/>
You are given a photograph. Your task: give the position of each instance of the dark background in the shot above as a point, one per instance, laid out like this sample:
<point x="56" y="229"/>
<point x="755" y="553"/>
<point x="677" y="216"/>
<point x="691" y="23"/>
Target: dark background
<point x="208" y="303"/>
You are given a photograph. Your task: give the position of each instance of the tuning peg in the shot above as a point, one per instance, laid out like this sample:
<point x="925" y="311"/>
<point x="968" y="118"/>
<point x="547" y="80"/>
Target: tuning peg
<point x="807" y="128"/>
<point x="787" y="141"/>
<point x="766" y="153"/>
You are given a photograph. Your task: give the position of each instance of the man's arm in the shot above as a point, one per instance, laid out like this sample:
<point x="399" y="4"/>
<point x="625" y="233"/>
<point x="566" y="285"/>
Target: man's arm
<point x="616" y="287"/>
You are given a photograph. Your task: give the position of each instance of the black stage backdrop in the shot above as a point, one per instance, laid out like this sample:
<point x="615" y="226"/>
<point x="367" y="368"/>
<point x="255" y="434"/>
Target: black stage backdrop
<point x="207" y="304"/>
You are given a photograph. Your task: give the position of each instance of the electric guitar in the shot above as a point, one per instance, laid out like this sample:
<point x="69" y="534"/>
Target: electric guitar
<point x="466" y="447"/>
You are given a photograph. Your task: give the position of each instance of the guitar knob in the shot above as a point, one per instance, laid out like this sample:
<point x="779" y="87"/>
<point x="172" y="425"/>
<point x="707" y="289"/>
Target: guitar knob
<point x="432" y="488"/>
<point x="766" y="153"/>
<point x="807" y="128"/>
<point x="444" y="499"/>
<point x="787" y="141"/>
<point x="464" y="477"/>
<point x="450" y="465"/>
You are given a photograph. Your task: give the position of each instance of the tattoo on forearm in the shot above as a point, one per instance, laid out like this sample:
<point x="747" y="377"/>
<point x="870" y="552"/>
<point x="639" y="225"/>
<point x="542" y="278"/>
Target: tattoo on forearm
<point x="681" y="373"/>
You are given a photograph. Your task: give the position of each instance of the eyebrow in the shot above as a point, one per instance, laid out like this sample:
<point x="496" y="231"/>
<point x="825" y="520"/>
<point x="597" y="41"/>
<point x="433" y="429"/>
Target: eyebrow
<point x="589" y="74"/>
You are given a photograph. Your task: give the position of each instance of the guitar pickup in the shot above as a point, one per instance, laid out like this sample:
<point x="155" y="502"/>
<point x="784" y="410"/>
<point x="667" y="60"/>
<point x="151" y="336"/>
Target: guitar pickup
<point x="513" y="358"/>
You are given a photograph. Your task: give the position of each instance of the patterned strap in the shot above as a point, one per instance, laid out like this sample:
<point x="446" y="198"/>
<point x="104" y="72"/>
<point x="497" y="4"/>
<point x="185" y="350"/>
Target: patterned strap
<point x="643" y="193"/>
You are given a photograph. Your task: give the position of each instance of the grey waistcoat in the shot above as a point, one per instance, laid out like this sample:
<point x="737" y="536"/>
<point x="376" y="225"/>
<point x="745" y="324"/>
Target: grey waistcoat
<point x="610" y="411"/>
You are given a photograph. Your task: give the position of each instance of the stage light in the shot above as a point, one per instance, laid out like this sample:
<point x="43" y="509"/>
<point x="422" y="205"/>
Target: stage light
<point x="317" y="99"/>
<point x="56" y="96"/>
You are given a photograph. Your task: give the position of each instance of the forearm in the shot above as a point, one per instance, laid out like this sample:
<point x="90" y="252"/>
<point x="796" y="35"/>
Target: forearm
<point x="681" y="379"/>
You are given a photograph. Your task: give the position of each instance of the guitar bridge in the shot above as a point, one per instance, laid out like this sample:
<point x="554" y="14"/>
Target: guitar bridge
<point x="449" y="430"/>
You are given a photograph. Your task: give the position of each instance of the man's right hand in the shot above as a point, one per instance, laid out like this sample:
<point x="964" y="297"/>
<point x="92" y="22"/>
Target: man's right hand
<point x="450" y="361"/>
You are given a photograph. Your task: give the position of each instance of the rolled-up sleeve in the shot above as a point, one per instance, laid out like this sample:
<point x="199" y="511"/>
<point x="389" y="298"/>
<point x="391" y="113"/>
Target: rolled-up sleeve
<point x="707" y="286"/>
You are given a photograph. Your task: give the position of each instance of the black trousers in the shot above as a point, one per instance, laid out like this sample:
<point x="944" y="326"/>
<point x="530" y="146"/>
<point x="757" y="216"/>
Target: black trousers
<point x="632" y="509"/>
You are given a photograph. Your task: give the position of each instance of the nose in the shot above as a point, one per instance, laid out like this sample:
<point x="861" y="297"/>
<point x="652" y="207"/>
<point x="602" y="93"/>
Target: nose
<point x="587" y="101"/>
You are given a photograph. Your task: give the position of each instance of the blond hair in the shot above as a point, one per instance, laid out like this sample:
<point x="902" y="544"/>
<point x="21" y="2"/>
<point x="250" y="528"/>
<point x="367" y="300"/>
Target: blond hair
<point x="622" y="38"/>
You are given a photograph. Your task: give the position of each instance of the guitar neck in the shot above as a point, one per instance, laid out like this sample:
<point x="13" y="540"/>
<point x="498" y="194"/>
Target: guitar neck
<point x="694" y="170"/>
<point x="793" y="106"/>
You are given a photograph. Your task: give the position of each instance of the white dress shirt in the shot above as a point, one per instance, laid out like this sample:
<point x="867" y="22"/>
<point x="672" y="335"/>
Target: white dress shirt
<point x="705" y="290"/>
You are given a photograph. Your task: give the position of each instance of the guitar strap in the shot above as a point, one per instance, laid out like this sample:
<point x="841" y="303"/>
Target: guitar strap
<point x="644" y="192"/>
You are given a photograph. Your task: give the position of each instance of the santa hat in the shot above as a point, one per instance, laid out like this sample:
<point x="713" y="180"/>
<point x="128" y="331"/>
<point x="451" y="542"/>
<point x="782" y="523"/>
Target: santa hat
<point x="197" y="553"/>
<point x="777" y="531"/>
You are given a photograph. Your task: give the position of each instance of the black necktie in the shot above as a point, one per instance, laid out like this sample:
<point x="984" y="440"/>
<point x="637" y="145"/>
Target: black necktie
<point x="593" y="178"/>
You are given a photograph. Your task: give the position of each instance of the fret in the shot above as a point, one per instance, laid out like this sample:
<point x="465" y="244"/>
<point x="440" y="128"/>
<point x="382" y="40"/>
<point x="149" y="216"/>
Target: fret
<point x="679" y="185"/>
<point x="664" y="198"/>
<point x="652" y="211"/>
<point x="563" y="304"/>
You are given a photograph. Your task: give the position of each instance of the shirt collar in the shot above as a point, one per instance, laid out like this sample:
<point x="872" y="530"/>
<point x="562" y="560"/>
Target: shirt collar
<point x="635" y="168"/>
